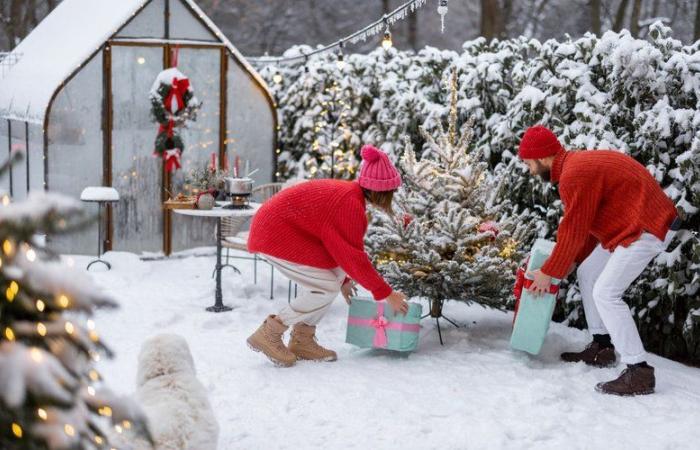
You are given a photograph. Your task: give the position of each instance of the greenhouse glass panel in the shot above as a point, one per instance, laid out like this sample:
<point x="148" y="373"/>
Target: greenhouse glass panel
<point x="75" y="148"/>
<point x="136" y="173"/>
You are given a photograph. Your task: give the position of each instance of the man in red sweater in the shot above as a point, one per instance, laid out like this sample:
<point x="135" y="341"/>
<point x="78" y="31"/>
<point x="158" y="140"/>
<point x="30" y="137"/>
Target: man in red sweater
<point x="314" y="234"/>
<point x="616" y="220"/>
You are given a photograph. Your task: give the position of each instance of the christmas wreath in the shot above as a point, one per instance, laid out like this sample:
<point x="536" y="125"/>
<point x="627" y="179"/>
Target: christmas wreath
<point x="173" y="104"/>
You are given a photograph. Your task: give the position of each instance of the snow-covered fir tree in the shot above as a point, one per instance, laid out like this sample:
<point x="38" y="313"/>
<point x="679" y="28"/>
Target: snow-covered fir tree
<point x="449" y="241"/>
<point x="51" y="395"/>
<point x="613" y="91"/>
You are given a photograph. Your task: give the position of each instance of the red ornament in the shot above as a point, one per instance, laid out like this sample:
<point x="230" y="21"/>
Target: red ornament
<point x="407" y="219"/>
<point x="489" y="227"/>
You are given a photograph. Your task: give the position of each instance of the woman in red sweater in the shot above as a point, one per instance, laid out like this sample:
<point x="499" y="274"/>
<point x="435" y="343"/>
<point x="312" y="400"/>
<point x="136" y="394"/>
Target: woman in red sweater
<point x="616" y="220"/>
<point x="314" y="234"/>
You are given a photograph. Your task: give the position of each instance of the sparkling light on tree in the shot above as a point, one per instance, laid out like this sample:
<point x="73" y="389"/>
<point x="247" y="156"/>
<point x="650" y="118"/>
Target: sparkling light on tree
<point x="51" y="395"/>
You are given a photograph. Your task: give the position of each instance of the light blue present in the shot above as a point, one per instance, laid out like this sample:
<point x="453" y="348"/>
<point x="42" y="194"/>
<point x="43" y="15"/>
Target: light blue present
<point x="373" y="324"/>
<point x="534" y="313"/>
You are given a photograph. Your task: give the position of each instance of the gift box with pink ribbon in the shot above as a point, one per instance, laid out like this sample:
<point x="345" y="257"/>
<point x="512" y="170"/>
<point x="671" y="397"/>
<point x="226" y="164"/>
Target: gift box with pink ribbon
<point x="373" y="324"/>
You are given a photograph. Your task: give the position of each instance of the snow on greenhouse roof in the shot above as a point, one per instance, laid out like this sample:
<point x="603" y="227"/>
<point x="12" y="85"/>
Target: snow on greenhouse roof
<point x="64" y="41"/>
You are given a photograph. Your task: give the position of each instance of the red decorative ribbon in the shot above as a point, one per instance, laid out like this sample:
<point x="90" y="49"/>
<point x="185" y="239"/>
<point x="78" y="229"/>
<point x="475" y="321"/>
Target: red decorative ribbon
<point x="172" y="159"/>
<point x="169" y="128"/>
<point x="525" y="283"/>
<point x="177" y="93"/>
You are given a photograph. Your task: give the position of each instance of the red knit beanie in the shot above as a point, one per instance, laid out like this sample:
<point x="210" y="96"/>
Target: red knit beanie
<point x="377" y="172"/>
<point x="538" y="142"/>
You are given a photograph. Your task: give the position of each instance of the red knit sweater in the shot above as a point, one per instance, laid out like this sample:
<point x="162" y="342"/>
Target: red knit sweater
<point x="318" y="223"/>
<point x="609" y="198"/>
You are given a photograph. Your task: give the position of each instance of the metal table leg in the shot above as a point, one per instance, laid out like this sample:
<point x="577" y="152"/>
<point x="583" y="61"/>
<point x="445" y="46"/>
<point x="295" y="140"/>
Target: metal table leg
<point x="99" y="240"/>
<point x="218" y="304"/>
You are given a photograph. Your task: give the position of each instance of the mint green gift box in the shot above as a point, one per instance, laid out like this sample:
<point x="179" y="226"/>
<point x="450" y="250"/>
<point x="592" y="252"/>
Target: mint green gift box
<point x="534" y="313"/>
<point x="373" y="324"/>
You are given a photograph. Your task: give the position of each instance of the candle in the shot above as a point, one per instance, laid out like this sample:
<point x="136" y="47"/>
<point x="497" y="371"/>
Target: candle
<point x="213" y="162"/>
<point x="236" y="166"/>
<point x="247" y="167"/>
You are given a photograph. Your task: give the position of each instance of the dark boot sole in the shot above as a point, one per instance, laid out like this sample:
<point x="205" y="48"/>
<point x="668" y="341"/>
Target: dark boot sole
<point x="592" y="364"/>
<point x="274" y="361"/>
<point x="600" y="389"/>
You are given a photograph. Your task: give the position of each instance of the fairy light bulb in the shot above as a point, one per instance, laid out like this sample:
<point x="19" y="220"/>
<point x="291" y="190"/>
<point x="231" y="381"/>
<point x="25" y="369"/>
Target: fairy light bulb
<point x="277" y="77"/>
<point x="386" y="41"/>
<point x="42" y="414"/>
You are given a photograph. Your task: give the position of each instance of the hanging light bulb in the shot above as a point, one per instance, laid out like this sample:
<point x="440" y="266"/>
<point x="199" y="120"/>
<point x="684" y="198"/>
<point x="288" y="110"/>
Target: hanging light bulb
<point x="442" y="10"/>
<point x="340" y="62"/>
<point x="277" y="77"/>
<point x="386" y="41"/>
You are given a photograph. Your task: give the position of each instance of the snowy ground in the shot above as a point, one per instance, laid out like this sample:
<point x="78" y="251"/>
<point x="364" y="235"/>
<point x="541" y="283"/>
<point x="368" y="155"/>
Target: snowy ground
<point x="472" y="393"/>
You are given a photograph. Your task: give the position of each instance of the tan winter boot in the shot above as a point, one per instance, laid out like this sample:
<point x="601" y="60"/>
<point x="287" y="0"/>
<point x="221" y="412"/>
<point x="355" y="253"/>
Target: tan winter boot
<point x="268" y="340"/>
<point x="303" y="344"/>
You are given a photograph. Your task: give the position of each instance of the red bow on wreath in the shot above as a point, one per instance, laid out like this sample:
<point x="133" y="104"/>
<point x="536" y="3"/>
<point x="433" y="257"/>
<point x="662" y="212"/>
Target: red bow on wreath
<point x="172" y="160"/>
<point x="175" y="101"/>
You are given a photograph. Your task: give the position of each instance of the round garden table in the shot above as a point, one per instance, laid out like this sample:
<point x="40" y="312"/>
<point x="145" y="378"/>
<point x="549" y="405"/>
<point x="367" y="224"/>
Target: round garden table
<point x="218" y="213"/>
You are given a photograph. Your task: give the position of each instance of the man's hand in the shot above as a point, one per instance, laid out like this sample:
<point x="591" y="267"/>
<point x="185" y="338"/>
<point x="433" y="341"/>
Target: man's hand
<point x="397" y="301"/>
<point x="348" y="290"/>
<point x="541" y="282"/>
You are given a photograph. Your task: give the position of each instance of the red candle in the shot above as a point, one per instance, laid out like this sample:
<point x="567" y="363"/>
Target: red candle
<point x="235" y="168"/>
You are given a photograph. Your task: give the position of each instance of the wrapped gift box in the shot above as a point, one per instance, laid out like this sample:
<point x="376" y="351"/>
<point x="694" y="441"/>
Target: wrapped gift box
<point x="373" y="324"/>
<point x="533" y="314"/>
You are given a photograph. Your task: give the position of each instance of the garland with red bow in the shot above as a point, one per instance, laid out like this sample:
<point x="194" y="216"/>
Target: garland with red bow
<point x="173" y="103"/>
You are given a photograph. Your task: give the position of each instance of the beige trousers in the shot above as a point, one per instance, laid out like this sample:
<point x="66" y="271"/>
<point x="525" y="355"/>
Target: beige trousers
<point x="318" y="289"/>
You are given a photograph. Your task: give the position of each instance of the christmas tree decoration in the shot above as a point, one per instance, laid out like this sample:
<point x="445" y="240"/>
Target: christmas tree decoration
<point x="51" y="395"/>
<point x="458" y="244"/>
<point x="173" y="104"/>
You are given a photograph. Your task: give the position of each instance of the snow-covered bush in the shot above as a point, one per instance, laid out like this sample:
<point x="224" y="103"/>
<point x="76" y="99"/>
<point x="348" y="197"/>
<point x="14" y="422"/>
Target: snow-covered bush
<point x="613" y="91"/>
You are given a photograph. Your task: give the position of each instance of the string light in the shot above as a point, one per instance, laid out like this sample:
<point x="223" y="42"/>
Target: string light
<point x="31" y="255"/>
<point x="70" y="329"/>
<point x="5" y="200"/>
<point x="7" y="247"/>
<point x="91" y="391"/>
<point x="17" y="430"/>
<point x="277" y="77"/>
<point x="41" y="329"/>
<point x="105" y="411"/>
<point x="9" y="334"/>
<point x="340" y="62"/>
<point x="70" y="431"/>
<point x="42" y="413"/>
<point x="399" y="13"/>
<point x="40" y="305"/>
<point x="386" y="41"/>
<point x="36" y="354"/>
<point x="63" y="301"/>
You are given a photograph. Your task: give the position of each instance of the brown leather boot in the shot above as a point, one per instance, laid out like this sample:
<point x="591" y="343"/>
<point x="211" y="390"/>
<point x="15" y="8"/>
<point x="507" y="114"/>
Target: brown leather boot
<point x="303" y="344"/>
<point x="634" y="380"/>
<point x="593" y="355"/>
<point x="268" y="340"/>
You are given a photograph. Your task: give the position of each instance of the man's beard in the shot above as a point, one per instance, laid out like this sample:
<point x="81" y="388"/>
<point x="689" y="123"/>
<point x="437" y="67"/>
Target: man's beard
<point x="543" y="171"/>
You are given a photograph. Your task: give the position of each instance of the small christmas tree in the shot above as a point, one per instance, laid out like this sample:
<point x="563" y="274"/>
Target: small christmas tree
<point x="51" y="396"/>
<point x="450" y="242"/>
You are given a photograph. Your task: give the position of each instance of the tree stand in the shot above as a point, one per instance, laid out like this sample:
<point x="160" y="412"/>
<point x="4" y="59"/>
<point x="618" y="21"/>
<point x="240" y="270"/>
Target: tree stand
<point x="436" y="312"/>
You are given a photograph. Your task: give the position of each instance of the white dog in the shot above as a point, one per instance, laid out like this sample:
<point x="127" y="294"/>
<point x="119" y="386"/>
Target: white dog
<point x="175" y="402"/>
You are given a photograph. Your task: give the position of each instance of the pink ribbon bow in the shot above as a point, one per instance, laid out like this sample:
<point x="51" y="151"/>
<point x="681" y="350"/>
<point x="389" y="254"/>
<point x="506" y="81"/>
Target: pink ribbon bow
<point x="379" y="325"/>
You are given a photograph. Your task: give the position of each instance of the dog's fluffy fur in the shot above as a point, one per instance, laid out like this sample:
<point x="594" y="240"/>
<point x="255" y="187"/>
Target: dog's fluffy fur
<point x="175" y="402"/>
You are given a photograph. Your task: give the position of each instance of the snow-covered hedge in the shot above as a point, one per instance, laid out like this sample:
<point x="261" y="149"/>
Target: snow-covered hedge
<point x="638" y="96"/>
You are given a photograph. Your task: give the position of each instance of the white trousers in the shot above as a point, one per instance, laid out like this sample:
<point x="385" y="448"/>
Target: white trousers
<point x="318" y="289"/>
<point x="603" y="279"/>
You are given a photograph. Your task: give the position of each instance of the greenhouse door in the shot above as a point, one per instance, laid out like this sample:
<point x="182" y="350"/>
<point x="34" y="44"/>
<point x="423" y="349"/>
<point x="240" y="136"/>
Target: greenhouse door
<point x="138" y="223"/>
